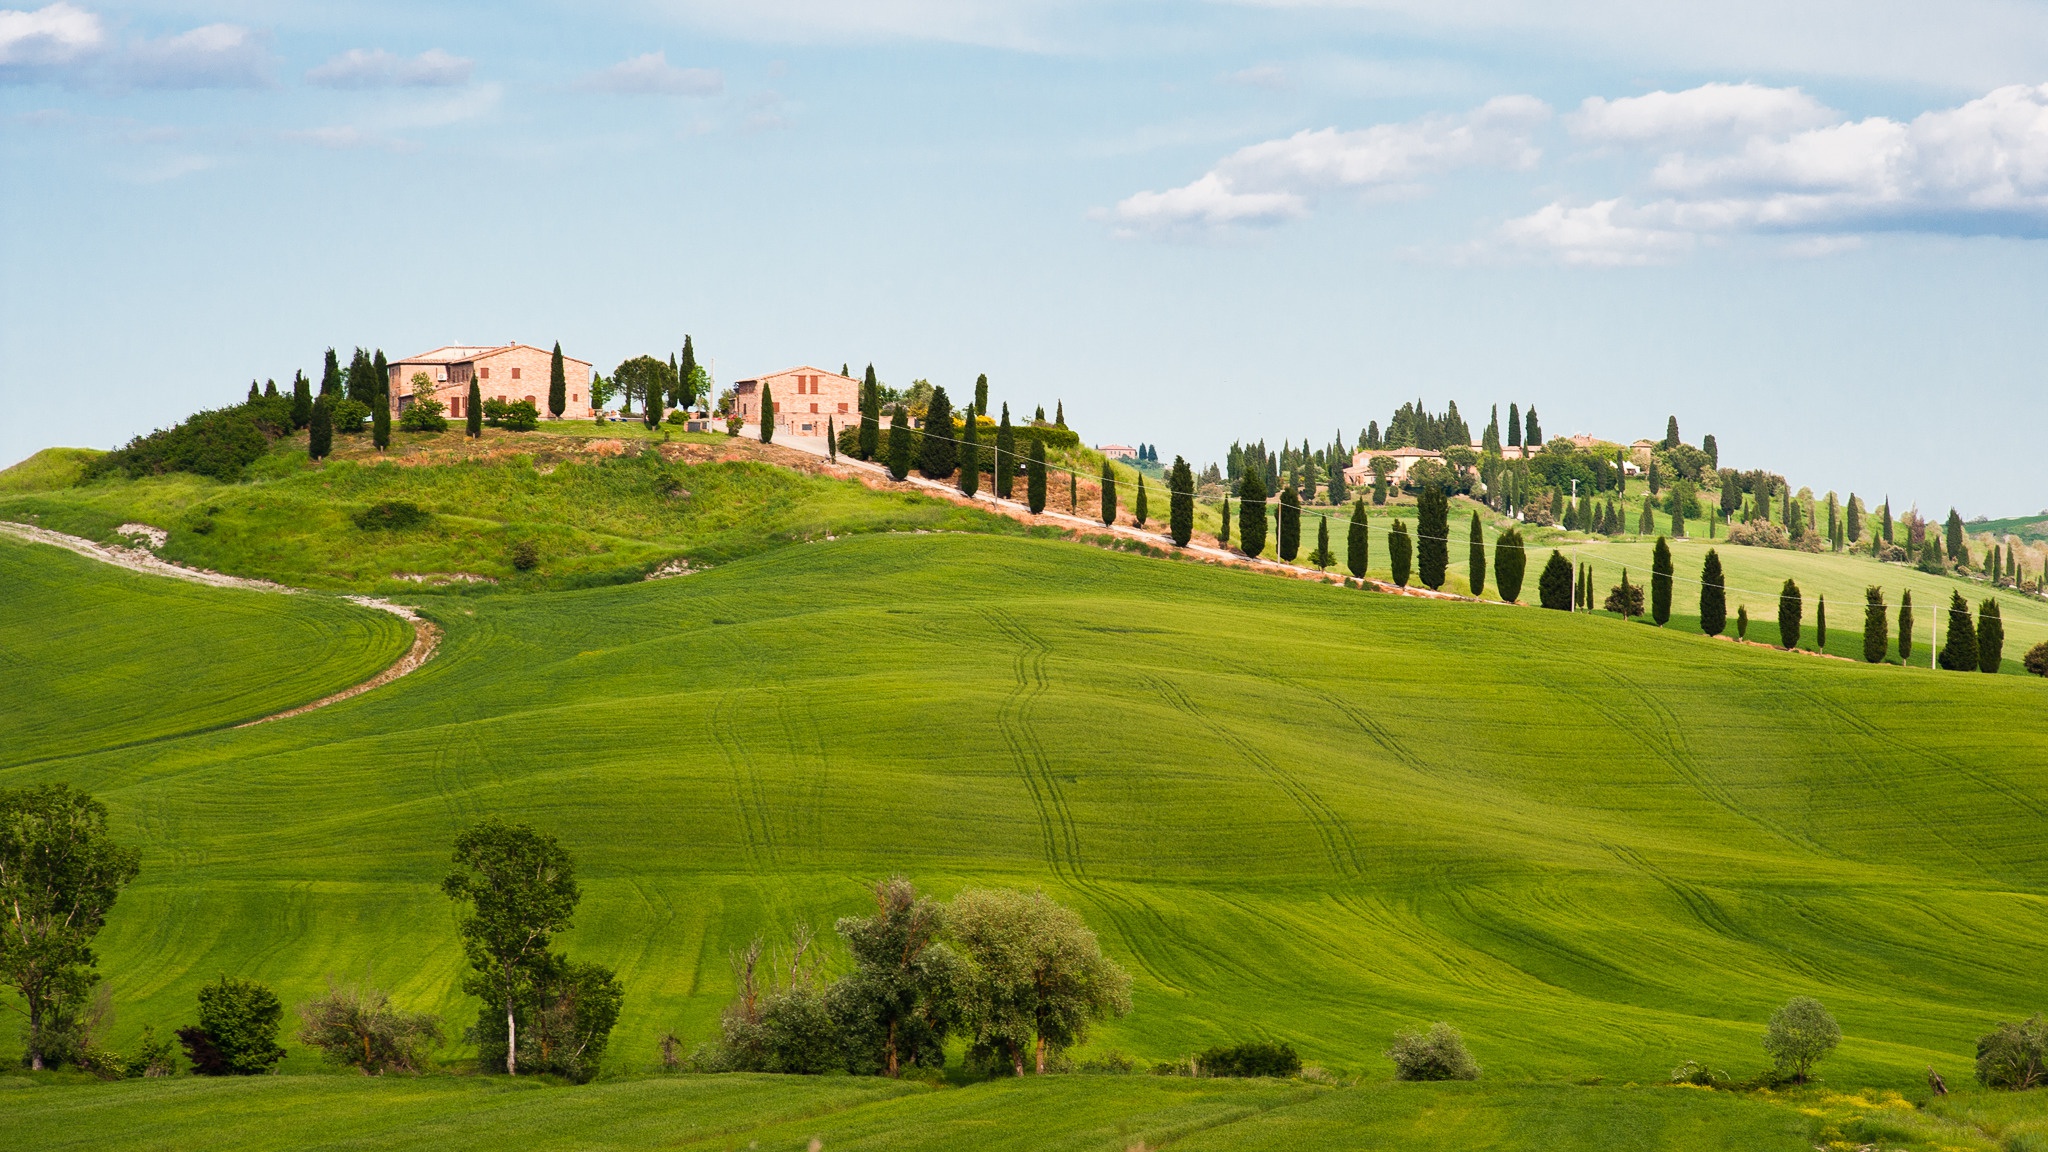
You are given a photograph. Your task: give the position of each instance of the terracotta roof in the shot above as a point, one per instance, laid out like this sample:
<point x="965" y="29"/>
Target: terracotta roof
<point x="804" y="368"/>
<point x="457" y="353"/>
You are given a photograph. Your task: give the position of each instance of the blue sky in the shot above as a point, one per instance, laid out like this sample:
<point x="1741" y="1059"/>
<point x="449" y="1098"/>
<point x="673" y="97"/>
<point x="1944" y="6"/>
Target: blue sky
<point x="1814" y="230"/>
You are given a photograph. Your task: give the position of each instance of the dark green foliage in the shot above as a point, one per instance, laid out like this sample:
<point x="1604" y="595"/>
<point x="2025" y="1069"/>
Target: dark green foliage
<point x="1799" y="1035"/>
<point x="391" y="514"/>
<point x="899" y="444"/>
<point x="970" y="453"/>
<point x="1005" y="473"/>
<point x="558" y="384"/>
<point x="237" y="1030"/>
<point x="330" y="378"/>
<point x="1059" y="414"/>
<point x="981" y="393"/>
<point x="1820" y="624"/>
<point x="938" y="456"/>
<point x="1510" y="563"/>
<point x="1438" y="1054"/>
<point x="2014" y="1056"/>
<point x="1554" y="586"/>
<point x="1791" y="608"/>
<point x="219" y="443"/>
<point x="512" y="415"/>
<point x="1432" y="536"/>
<point x="1181" y="509"/>
<point x="2036" y="659"/>
<point x="1532" y="431"/>
<point x="1475" y="558"/>
<point x="900" y="1002"/>
<point x="1514" y="426"/>
<point x="1671" y="432"/>
<point x="689" y="376"/>
<point x="302" y="400"/>
<point x="1140" y="508"/>
<point x="1712" y="450"/>
<point x="1875" y="625"/>
<point x="1959" y="651"/>
<point x="423" y="415"/>
<point x="1647" y="523"/>
<point x="1625" y="599"/>
<point x="473" y="412"/>
<point x="1257" y="1058"/>
<point x="832" y="435"/>
<point x="1952" y="533"/>
<point x="1906" y="625"/>
<point x="1852" y="514"/>
<point x="1357" y="540"/>
<point x="871" y="425"/>
<point x="1251" y="512"/>
<point x="380" y="422"/>
<point x="1713" y="595"/>
<point x="1223" y="525"/>
<point x="1108" y="494"/>
<point x="1034" y="478"/>
<point x="320" y="432"/>
<point x="1290" y="522"/>
<point x="1742" y="622"/>
<point x="362" y="379"/>
<point x="519" y="888"/>
<point x="525" y="555"/>
<point x="1990" y="636"/>
<point x="1661" y="572"/>
<point x="565" y="1019"/>
<point x="1400" y="552"/>
<point x="1321" y="557"/>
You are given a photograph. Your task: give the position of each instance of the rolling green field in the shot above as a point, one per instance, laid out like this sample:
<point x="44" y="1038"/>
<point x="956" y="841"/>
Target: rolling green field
<point x="1294" y="811"/>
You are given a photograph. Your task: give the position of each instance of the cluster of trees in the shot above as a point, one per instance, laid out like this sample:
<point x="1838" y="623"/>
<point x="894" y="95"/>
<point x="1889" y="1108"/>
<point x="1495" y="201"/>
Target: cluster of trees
<point x="679" y="383"/>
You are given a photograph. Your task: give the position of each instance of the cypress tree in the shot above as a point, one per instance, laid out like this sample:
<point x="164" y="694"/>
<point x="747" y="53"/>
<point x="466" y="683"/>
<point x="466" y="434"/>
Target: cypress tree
<point x="380" y="421"/>
<point x="1647" y="523"/>
<point x="1322" y="558"/>
<point x="1990" y="636"/>
<point x="1139" y="509"/>
<point x="1181" y="511"/>
<point x="1223" y="524"/>
<point x="473" y="411"/>
<point x="1874" y="625"/>
<point x="970" y="454"/>
<point x="320" y="434"/>
<point x="1678" y="513"/>
<point x="1005" y="473"/>
<point x="1357" y="540"/>
<point x="686" y="375"/>
<point x="1432" y="535"/>
<point x="871" y="423"/>
<point x="981" y="392"/>
<point x="1398" y="552"/>
<point x="1713" y="596"/>
<point x="1475" y="556"/>
<point x="1532" y="432"/>
<point x="1570" y="520"/>
<point x="1251" y="512"/>
<point x="1959" y="654"/>
<point x="899" y="443"/>
<point x="1290" y="522"/>
<point x="1742" y="622"/>
<point x="1514" y="426"/>
<point x="1906" y="626"/>
<point x="1852" y="517"/>
<point x="1073" y="491"/>
<point x="1059" y="414"/>
<point x="1671" y="432"/>
<point x="1820" y="623"/>
<point x="1712" y="450"/>
<point x="1795" y="518"/>
<point x="1510" y="561"/>
<point x="767" y="425"/>
<point x="1034" y="477"/>
<point x="1655" y="480"/>
<point x="255" y="393"/>
<point x="1885" y="523"/>
<point x="270" y="389"/>
<point x="1953" y="534"/>
<point x="938" y="456"/>
<point x="832" y="443"/>
<point x="1555" y="585"/>
<point x="558" y="384"/>
<point x="302" y="400"/>
<point x="1661" y="572"/>
<point x="362" y="380"/>
<point x="330" y="379"/>
<point x="1791" y="608"/>
<point x="380" y="375"/>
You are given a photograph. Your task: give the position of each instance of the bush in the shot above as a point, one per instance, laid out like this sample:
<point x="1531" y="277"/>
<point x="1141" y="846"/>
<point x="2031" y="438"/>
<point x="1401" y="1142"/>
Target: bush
<point x="1799" y="1035"/>
<point x="677" y="416"/>
<point x="153" y="1056"/>
<point x="513" y="415"/>
<point x="525" y="555"/>
<point x="218" y="443"/>
<point x="1761" y="534"/>
<point x="1256" y="1058"/>
<point x="358" y="1028"/>
<point x="1438" y="1054"/>
<point x="348" y="415"/>
<point x="2036" y="659"/>
<point x="565" y="1022"/>
<point x="424" y="414"/>
<point x="1625" y="598"/>
<point x="1112" y="1063"/>
<point x="1694" y="1072"/>
<point x="394" y="514"/>
<point x="2014" y="1056"/>
<point x="237" y="1030"/>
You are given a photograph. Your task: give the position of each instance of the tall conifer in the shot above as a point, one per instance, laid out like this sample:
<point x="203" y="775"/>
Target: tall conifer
<point x="899" y="443"/>
<point x="1181" y="508"/>
<point x="1959" y="650"/>
<point x="1713" y="596"/>
<point x="1223" y="525"/>
<point x="473" y="411"/>
<point x="1510" y="561"/>
<point x="558" y="384"/>
<point x="970" y="454"/>
<point x="320" y="432"/>
<point x="686" y="376"/>
<point x="1290" y="522"/>
<point x="1514" y="426"/>
<point x="302" y="400"/>
<point x="981" y="392"/>
<point x="330" y="379"/>
<point x="1432" y="535"/>
<point x="1140" y="510"/>
<point x="1905" y="626"/>
<point x="1820" y="623"/>
<point x="832" y="442"/>
<point x="1321" y="558"/>
<point x="1556" y="585"/>
<point x="1251" y="512"/>
<point x="1647" y="523"/>
<point x="1005" y="474"/>
<point x="1990" y="635"/>
<point x="1791" y="610"/>
<point x="1399" y="548"/>
<point x="1357" y="540"/>
<point x="380" y="421"/>
<point x="1874" y="625"/>
<point x="938" y="455"/>
<point x="1034" y="477"/>
<point x="1475" y="556"/>
<point x="1661" y="572"/>
<point x="870" y="439"/>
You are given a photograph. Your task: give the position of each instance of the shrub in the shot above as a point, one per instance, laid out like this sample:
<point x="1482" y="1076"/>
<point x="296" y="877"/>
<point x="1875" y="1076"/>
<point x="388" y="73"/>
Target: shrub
<point x="424" y="414"/>
<point x="1112" y="1062"/>
<point x="358" y="1028"/>
<point x="1438" y="1054"/>
<point x="513" y="415"/>
<point x="525" y="555"/>
<point x="1759" y="534"/>
<point x="394" y="514"/>
<point x="1799" y="1035"/>
<point x="2014" y="1055"/>
<point x="219" y="443"/>
<point x="237" y="1030"/>
<point x="1694" y="1072"/>
<point x="1625" y="598"/>
<point x="153" y="1056"/>
<point x="677" y="416"/>
<point x="565" y="1021"/>
<point x="2036" y="660"/>
<point x="348" y="415"/>
<point x="1257" y="1058"/>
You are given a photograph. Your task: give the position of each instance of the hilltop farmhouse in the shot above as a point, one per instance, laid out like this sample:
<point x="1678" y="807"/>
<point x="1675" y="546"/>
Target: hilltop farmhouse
<point x="509" y="372"/>
<point x="805" y="399"/>
<point x="1359" y="475"/>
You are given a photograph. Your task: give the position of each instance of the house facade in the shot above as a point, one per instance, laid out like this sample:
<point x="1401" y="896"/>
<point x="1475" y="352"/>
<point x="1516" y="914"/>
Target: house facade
<point x="806" y="399"/>
<point x="509" y="372"/>
<point x="1359" y="475"/>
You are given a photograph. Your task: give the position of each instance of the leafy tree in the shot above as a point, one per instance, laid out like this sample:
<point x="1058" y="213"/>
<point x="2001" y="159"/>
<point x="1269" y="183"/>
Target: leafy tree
<point x="900" y="1002"/>
<point x="1034" y="477"/>
<point x="1959" y="654"/>
<point x="1357" y="540"/>
<point x="237" y="1030"/>
<point x="59" y="876"/>
<point x="558" y="384"/>
<point x="1510" y="561"/>
<point x="1438" y="1054"/>
<point x="473" y="421"/>
<point x="937" y="458"/>
<point x="1661" y="572"/>
<point x="320" y="432"/>
<point x="1475" y="558"/>
<point x="1906" y="625"/>
<point x="1251" y="512"/>
<point x="1181" y="506"/>
<point x="1554" y="586"/>
<point x="2036" y="659"/>
<point x="1990" y="635"/>
<point x="1791" y="607"/>
<point x="520" y="887"/>
<point x="970" y="454"/>
<point x="1713" y="595"/>
<point x="1006" y="456"/>
<point x="2014" y="1056"/>
<point x="1290" y="522"/>
<point x="1874" y="625"/>
<point x="1799" y="1035"/>
<point x="1140" y="511"/>
<point x="899" y="443"/>
<point x="1624" y="599"/>
<point x="1257" y="1058"/>
<point x="1035" y="978"/>
<point x="871" y="423"/>
<point x="1432" y="536"/>
<point x="359" y="1028"/>
<point x="1400" y="552"/>
<point x="424" y="414"/>
<point x="302" y="401"/>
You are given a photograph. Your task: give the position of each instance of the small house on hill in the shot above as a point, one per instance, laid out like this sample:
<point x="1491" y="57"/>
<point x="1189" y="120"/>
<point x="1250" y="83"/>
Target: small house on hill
<point x="1117" y="451"/>
<point x="509" y="372"/>
<point x="1360" y="472"/>
<point x="806" y="398"/>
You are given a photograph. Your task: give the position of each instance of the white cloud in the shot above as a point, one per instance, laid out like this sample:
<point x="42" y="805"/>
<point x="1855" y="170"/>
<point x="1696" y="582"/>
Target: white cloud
<point x="48" y="37"/>
<point x="1271" y="77"/>
<point x="652" y="74"/>
<point x="1599" y="235"/>
<point x="1707" y="112"/>
<point x="376" y="68"/>
<point x="213" y="56"/>
<point x="1278" y="179"/>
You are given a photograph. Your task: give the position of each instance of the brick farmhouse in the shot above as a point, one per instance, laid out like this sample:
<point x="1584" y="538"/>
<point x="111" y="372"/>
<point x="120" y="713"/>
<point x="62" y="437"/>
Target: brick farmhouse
<point x="509" y="372"/>
<point x="805" y="399"/>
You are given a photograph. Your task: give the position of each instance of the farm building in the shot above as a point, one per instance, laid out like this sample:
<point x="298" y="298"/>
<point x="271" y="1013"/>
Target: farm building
<point x="509" y="372"/>
<point x="805" y="398"/>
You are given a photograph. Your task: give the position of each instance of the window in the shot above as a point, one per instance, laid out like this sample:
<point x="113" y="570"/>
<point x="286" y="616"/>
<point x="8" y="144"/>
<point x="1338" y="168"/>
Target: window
<point x="515" y="373"/>
<point x="814" y="409"/>
<point x="485" y="373"/>
<point x="842" y="409"/>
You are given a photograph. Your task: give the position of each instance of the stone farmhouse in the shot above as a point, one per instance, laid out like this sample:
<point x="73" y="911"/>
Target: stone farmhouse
<point x="805" y="399"/>
<point x="509" y="372"/>
<point x="1360" y="473"/>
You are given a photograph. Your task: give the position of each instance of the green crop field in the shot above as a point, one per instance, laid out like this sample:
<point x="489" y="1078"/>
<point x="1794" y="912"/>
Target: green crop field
<point x="1294" y="811"/>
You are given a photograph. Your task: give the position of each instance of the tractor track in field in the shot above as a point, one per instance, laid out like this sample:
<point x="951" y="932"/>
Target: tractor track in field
<point x="1955" y="764"/>
<point x="1055" y="818"/>
<point x="1373" y="729"/>
<point x="749" y="798"/>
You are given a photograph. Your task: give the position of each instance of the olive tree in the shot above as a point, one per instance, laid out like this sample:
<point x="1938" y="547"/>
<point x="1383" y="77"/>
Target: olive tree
<point x="1034" y="976"/>
<point x="898" y="1004"/>
<point x="1799" y="1035"/>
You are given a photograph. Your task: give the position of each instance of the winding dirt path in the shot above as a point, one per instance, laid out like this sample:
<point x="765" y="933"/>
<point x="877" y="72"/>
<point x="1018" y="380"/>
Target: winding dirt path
<point x="426" y="636"/>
